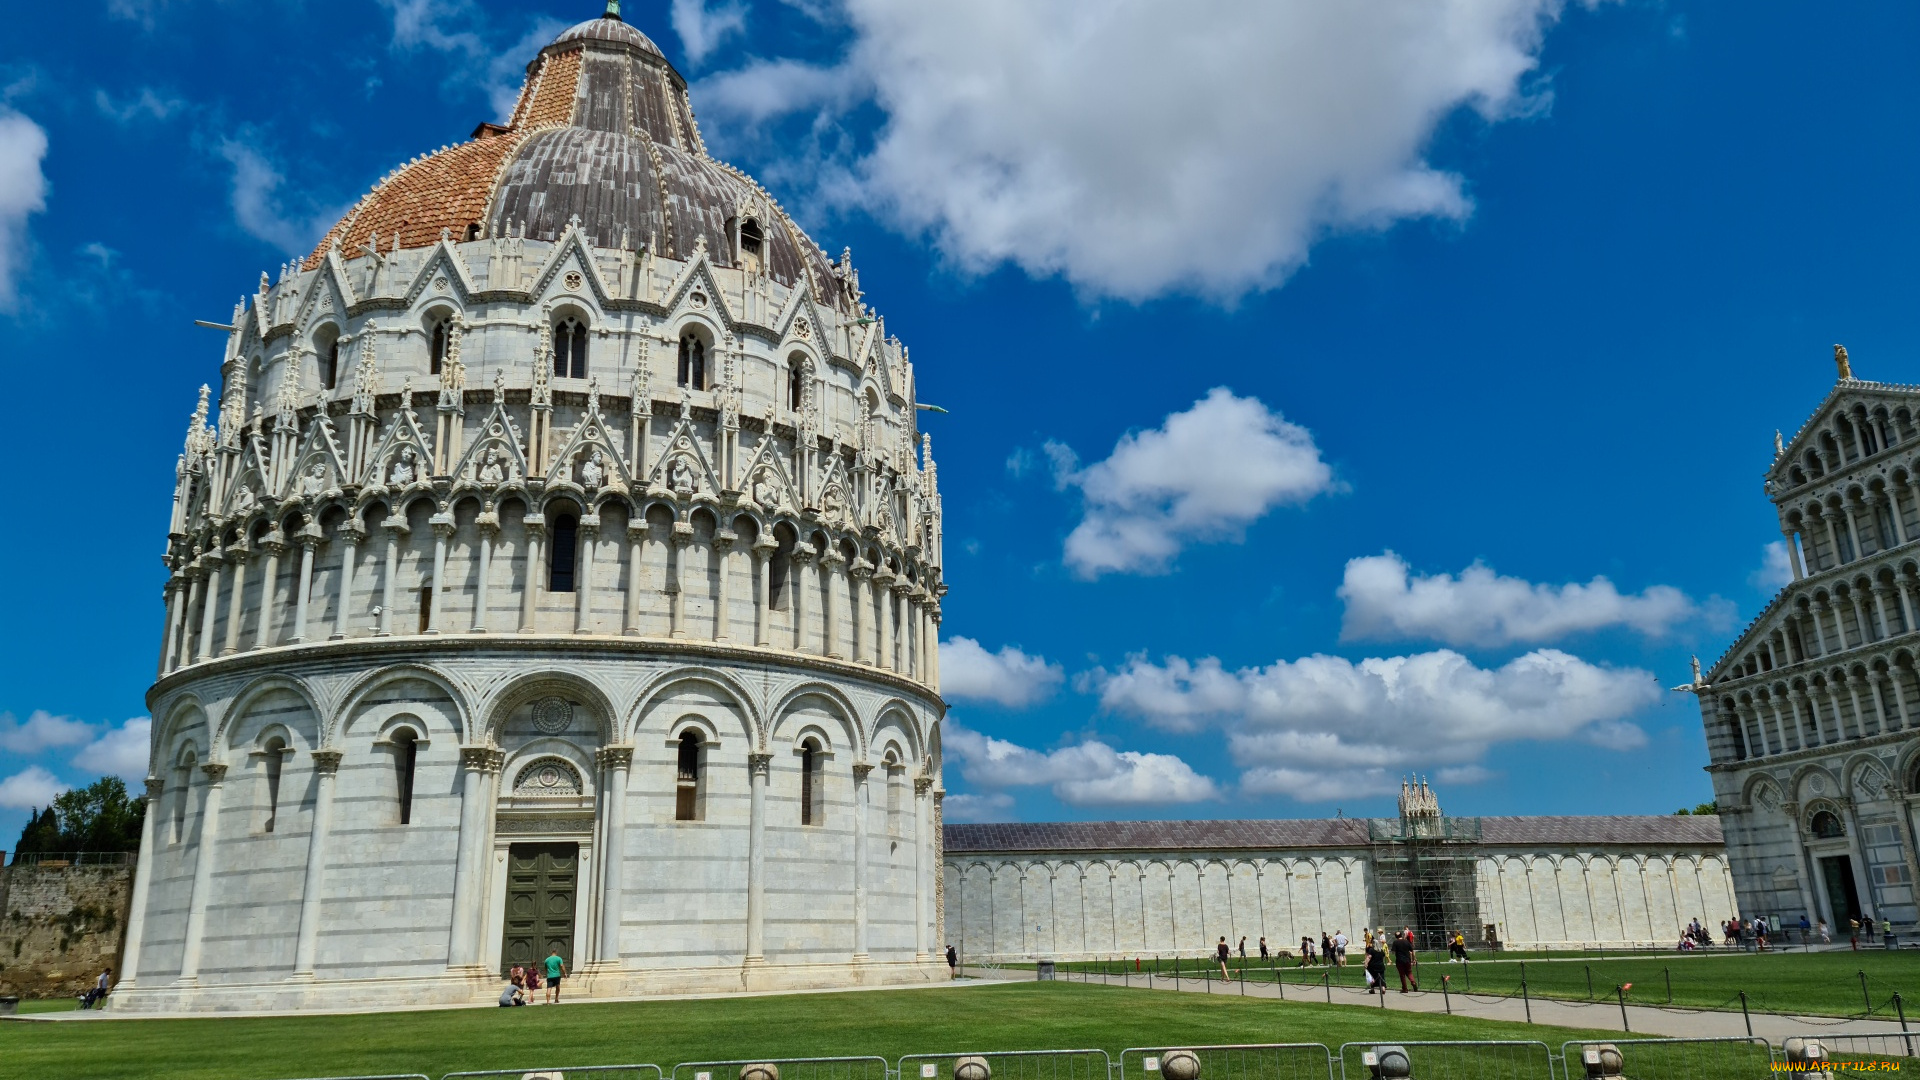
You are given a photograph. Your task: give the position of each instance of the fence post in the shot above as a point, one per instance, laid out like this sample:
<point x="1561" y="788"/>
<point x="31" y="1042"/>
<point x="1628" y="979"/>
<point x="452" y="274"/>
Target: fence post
<point x="1444" y="996"/>
<point x="1668" y="972"/>
<point x="1524" y="1003"/>
<point x="1744" y="1015"/>
<point x="1900" y="1008"/>
<point x="1622" y="991"/>
<point x="1589" y="968"/>
<point x="1326" y="980"/>
<point x="1863" y="993"/>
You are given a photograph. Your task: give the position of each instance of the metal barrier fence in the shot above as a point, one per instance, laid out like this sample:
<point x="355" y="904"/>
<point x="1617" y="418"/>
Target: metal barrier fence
<point x="1492" y="1060"/>
<point x="1010" y="1065"/>
<point x="583" y="1072"/>
<point x="828" y="1068"/>
<point x="1668" y="1059"/>
<point x="1265" y="1061"/>
<point x="1901" y="1048"/>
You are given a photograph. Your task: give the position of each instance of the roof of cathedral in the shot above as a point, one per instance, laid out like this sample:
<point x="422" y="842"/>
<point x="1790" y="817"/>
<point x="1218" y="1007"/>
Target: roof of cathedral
<point x="602" y="131"/>
<point x="1277" y="833"/>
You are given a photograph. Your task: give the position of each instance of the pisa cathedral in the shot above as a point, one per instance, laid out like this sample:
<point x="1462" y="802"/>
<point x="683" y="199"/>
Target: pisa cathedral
<point x="559" y="571"/>
<point x="1811" y="716"/>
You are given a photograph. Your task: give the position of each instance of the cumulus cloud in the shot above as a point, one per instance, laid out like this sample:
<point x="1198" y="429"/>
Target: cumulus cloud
<point x="992" y="806"/>
<point x="1385" y="600"/>
<point x="1203" y="474"/>
<point x="121" y="751"/>
<point x="29" y="788"/>
<point x="259" y="206"/>
<point x="1090" y="773"/>
<point x="42" y="731"/>
<point x="1137" y="153"/>
<point x="1009" y="677"/>
<point x="1776" y="568"/>
<point x="458" y="29"/>
<point x="702" y="28"/>
<point x="1323" y="727"/>
<point x="23" y="193"/>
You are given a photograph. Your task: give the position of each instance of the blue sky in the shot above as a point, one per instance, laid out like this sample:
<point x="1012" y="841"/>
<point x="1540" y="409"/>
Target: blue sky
<point x="1306" y="366"/>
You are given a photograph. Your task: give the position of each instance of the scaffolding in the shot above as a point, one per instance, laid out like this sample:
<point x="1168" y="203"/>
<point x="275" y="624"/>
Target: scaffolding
<point x="1426" y="870"/>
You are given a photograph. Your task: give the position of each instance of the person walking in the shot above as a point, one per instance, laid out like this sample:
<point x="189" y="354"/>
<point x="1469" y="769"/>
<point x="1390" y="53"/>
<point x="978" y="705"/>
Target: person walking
<point x="1376" y="967"/>
<point x="1404" y="959"/>
<point x="1222" y="951"/>
<point x="1339" y="948"/>
<point x="953" y="962"/>
<point x="1263" y="949"/>
<point x="1825" y="937"/>
<point x="556" y="968"/>
<point x="1306" y="952"/>
<point x="99" y="990"/>
<point x="1326" y="948"/>
<point x="1243" y="946"/>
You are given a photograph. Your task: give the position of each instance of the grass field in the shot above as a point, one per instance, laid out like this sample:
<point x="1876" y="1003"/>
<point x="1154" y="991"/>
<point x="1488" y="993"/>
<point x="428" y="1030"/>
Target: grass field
<point x="1811" y="983"/>
<point x="888" y="1023"/>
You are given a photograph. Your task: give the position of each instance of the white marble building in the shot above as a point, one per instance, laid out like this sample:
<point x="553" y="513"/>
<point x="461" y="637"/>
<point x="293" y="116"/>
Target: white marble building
<point x="1813" y="716"/>
<point x="561" y="571"/>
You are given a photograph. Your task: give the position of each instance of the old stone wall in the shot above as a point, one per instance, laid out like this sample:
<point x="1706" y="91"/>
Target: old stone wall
<point x="59" y="925"/>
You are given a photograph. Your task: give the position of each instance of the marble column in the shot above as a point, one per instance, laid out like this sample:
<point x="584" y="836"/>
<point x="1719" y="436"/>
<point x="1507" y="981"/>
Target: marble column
<point x="202" y="872"/>
<point x="757" y="767"/>
<point x="269" y="590"/>
<point x="763" y="547"/>
<point x="196" y="580"/>
<point x="883" y="626"/>
<point x="1860" y="617"/>
<point x="1906" y="604"/>
<point x="175" y="609"/>
<point x="831" y="603"/>
<point x="902" y="627"/>
<point x="1819" y="630"/>
<point x="636" y="565"/>
<point x="238" y="555"/>
<point x="1779" y="724"/>
<point x="487" y="528"/>
<point x="1881" y="721"/>
<point x="859" y="591"/>
<point x="797" y="576"/>
<point x="921" y="842"/>
<point x="536" y="566"/>
<point x="1892" y="504"/>
<point x="326" y="764"/>
<point x="862" y="807"/>
<point x="615" y="763"/>
<point x="142" y="885"/>
<point x="209" y="605"/>
<point x="477" y="764"/>
<point x="676" y="579"/>
<point x="1793" y="553"/>
<point x="1899" y="698"/>
<point x="1853" y="535"/>
<point x="1859" y="714"/>
<point x="396" y="527"/>
<point x="723" y="562"/>
<point x="303" y="593"/>
<point x="583" y="574"/>
<point x="933" y="646"/>
<point x="349" y="534"/>
<point x="442" y="532"/>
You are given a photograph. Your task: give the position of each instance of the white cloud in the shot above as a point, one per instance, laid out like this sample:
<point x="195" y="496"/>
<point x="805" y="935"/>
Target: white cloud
<point x="146" y="104"/>
<point x="23" y="193"/>
<point x="1138" y="150"/>
<point x="1009" y="677"/>
<point x="992" y="806"/>
<point x="1385" y="601"/>
<point x="702" y="28"/>
<point x="1323" y="726"/>
<point x="121" y="752"/>
<point x="457" y="28"/>
<point x="29" y="788"/>
<point x="258" y="206"/>
<point x="42" y="731"/>
<point x="1090" y="773"/>
<point x="1776" y="568"/>
<point x="1203" y="474"/>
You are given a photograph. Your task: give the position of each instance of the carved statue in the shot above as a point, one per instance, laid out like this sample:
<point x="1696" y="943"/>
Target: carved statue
<point x="832" y="505"/>
<point x="593" y="471"/>
<point x="315" y="480"/>
<point x="243" y="500"/>
<point x="1840" y="361"/>
<point x="493" y="468"/>
<point x="680" y="477"/>
<point x="404" y="468"/>
<point x="763" y="490"/>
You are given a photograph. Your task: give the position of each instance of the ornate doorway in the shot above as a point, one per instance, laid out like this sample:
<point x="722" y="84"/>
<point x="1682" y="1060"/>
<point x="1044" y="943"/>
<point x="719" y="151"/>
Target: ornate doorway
<point x="1843" y="898"/>
<point x="543" y="881"/>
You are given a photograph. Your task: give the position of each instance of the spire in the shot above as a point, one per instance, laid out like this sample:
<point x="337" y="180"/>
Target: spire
<point x="1840" y="361"/>
<point x="365" y="377"/>
<point x="613" y="10"/>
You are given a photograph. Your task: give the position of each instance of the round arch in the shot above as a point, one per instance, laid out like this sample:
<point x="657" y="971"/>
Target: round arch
<point x="501" y="699"/>
<point x="358" y="692"/>
<point x="656" y="689"/>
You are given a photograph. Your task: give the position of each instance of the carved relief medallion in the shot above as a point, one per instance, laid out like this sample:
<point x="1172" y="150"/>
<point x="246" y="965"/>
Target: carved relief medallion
<point x="552" y="715"/>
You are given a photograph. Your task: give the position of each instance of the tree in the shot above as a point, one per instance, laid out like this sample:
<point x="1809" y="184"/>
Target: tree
<point x="42" y="833"/>
<point x="98" y="817"/>
<point x="1705" y="809"/>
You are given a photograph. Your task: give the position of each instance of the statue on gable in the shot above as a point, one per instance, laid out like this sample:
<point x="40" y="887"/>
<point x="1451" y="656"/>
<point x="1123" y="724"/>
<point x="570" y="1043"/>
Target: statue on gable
<point x="764" y="493"/>
<point x="243" y="500"/>
<point x="681" y="479"/>
<point x="832" y="505"/>
<point x="493" y="466"/>
<point x="314" y="481"/>
<point x="593" y="471"/>
<point x="405" y="469"/>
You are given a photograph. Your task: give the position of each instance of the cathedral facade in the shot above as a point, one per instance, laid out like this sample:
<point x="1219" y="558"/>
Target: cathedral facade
<point x="557" y="570"/>
<point x="1813" y="716"/>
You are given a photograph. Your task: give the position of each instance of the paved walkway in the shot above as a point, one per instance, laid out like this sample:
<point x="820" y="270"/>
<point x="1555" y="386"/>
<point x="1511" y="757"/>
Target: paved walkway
<point x="1645" y="1020"/>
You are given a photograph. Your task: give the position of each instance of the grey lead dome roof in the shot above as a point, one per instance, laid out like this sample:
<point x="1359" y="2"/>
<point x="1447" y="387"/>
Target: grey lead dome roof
<point x="603" y="131"/>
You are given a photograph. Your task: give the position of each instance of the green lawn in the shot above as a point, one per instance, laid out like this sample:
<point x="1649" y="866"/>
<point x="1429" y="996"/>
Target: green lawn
<point x="1810" y="983"/>
<point x="888" y="1023"/>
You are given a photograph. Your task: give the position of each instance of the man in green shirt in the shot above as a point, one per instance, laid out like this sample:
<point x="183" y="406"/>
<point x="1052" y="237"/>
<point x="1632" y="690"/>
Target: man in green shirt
<point x="556" y="967"/>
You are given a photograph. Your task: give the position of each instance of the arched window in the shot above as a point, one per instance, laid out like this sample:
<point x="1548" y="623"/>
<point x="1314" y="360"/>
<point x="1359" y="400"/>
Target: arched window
<point x="810" y="762"/>
<point x="896" y="778"/>
<point x="780" y="568"/>
<point x="406" y="754"/>
<point x="182" y="791"/>
<point x="560" y="560"/>
<point x="686" y="779"/>
<point x="275" y="755"/>
<point x="1826" y="825"/>
<point x="330" y="364"/>
<point x="693" y="362"/>
<point x="473" y="231"/>
<point x="796" y="384"/>
<point x="570" y="349"/>
<point x="752" y="246"/>
<point x="437" y="350"/>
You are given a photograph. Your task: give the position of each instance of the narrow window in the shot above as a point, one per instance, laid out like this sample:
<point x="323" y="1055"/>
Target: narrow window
<point x="182" y="791"/>
<point x="809" y="787"/>
<point x="473" y="231"/>
<point x="406" y="752"/>
<point x="686" y="791"/>
<point x="276" y="754"/>
<point x="752" y="245"/>
<point x="570" y="349"/>
<point x="777" y="570"/>
<point x="426" y="608"/>
<point x="693" y="362"/>
<point x="438" y="351"/>
<point x="796" y="386"/>
<point x="560" y="562"/>
<point x="895" y="775"/>
<point x="330" y="364"/>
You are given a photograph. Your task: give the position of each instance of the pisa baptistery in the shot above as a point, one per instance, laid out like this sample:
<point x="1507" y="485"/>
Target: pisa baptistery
<point x="561" y="572"/>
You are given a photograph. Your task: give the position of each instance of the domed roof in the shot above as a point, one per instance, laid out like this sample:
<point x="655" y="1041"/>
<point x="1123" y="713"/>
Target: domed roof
<point x="603" y="131"/>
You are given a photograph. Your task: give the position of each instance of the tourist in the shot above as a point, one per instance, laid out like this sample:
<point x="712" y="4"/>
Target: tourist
<point x="1457" y="949"/>
<point x="556" y="968"/>
<point x="1263" y="949"/>
<point x="1866" y="927"/>
<point x="1804" y="927"/>
<point x="1761" y="931"/>
<point x="1222" y="951"/>
<point x="1306" y="952"/>
<point x="99" y="989"/>
<point x="1404" y="959"/>
<point x="1853" y="937"/>
<point x="953" y="961"/>
<point x="1825" y="937"/>
<point x="1243" y="946"/>
<point x="512" y="995"/>
<point x="1339" y="948"/>
<point x="1326" y="948"/>
<point x="1376" y="967"/>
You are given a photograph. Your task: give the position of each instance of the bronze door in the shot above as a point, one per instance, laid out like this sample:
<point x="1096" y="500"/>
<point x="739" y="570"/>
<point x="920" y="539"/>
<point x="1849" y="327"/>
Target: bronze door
<point x="542" y="883"/>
